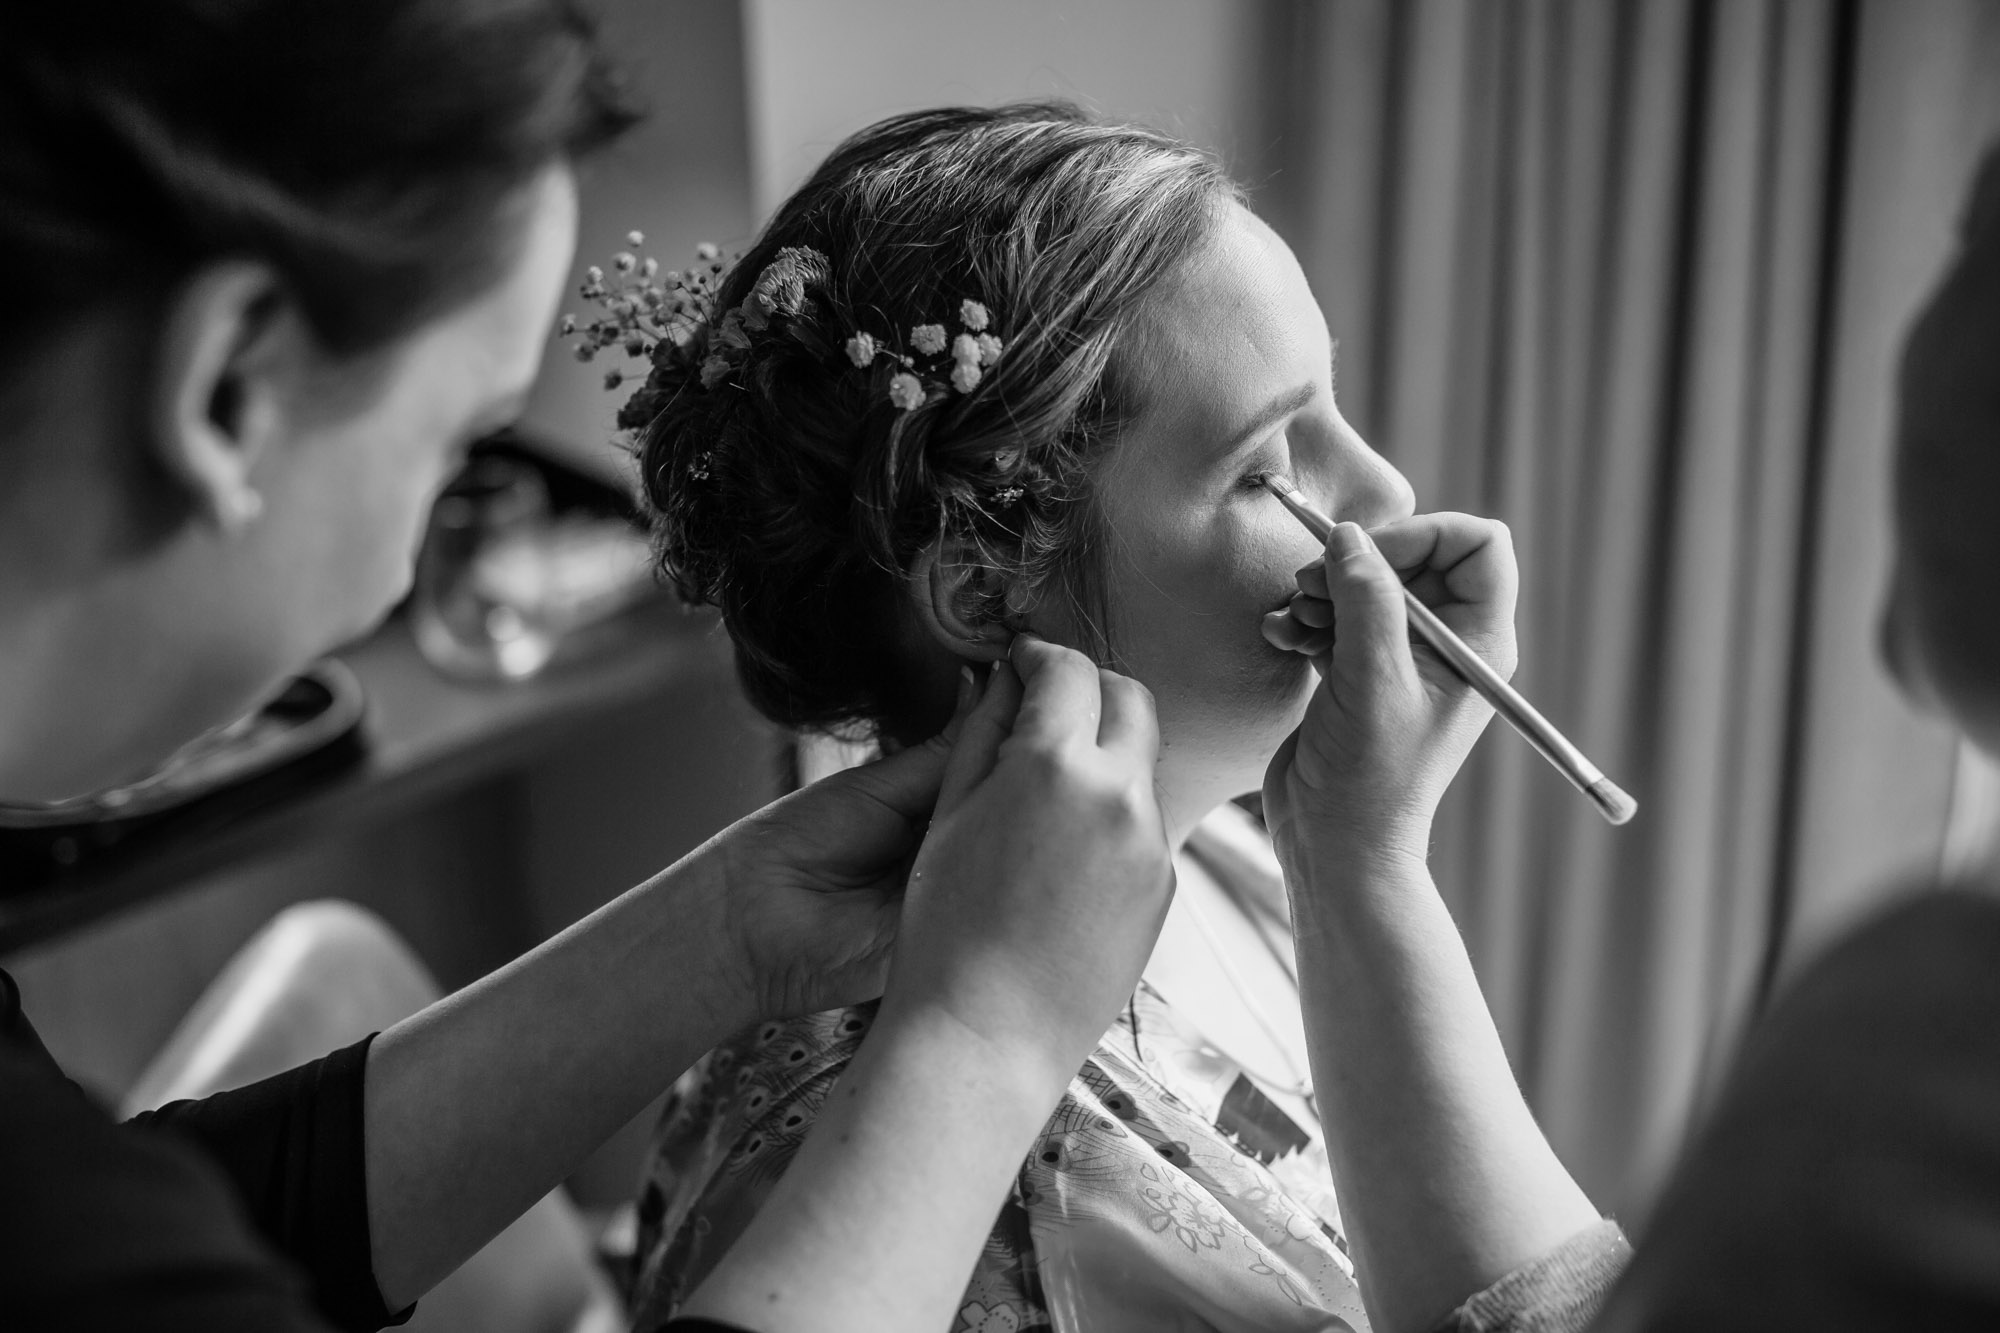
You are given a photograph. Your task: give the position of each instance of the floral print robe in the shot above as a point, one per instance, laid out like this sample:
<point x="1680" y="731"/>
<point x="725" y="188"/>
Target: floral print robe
<point x="1166" y="1192"/>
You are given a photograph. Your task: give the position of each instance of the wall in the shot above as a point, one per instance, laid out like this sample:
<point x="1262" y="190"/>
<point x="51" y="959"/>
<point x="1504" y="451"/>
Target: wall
<point x="1192" y="67"/>
<point x="681" y="176"/>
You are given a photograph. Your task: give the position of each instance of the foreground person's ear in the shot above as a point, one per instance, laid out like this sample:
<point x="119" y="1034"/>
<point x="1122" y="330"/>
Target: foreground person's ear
<point x="233" y="349"/>
<point x="965" y="605"/>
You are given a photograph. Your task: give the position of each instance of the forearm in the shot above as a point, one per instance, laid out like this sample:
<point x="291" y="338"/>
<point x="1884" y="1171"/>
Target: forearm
<point x="1447" y="1184"/>
<point x="483" y="1102"/>
<point x="878" y="1222"/>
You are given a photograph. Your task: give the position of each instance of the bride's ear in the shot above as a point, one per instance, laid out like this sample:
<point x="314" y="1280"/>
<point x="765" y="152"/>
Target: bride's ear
<point x="965" y="605"/>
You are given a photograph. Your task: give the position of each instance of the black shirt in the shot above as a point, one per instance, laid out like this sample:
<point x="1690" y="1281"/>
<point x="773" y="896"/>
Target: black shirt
<point x="245" y="1210"/>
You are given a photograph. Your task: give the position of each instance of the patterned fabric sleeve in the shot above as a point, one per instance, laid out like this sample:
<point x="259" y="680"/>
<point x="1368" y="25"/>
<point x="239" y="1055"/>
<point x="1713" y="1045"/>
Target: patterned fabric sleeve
<point x="728" y="1133"/>
<point x="1559" y="1293"/>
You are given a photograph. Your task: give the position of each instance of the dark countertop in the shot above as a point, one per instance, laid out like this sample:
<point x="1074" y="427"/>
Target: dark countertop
<point x="423" y="736"/>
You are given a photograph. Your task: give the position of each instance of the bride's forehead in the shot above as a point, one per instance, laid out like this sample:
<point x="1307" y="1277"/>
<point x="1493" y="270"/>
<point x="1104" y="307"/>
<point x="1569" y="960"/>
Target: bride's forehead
<point x="1238" y="320"/>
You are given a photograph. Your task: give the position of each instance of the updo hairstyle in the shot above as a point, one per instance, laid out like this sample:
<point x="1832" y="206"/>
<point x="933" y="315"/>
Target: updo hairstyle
<point x="795" y="495"/>
<point x="367" y="149"/>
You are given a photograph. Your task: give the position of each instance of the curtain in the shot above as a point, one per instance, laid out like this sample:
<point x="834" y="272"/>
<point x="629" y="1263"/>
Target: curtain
<point x="1631" y="275"/>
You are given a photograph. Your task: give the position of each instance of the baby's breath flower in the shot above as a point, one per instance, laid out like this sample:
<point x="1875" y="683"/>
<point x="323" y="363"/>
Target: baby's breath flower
<point x="635" y="345"/>
<point x="698" y="470"/>
<point x="1008" y="495"/>
<point x="906" y="391"/>
<point x="965" y="350"/>
<point x="568" y="325"/>
<point x="649" y="267"/>
<point x="714" y="370"/>
<point x="593" y="275"/>
<point x="625" y="261"/>
<point x="973" y="315"/>
<point x="585" y="351"/>
<point x="635" y="239"/>
<point x="965" y="376"/>
<point x="707" y="252"/>
<point x="613" y="378"/>
<point x="990" y="348"/>
<point x="861" y="350"/>
<point x="928" y="338"/>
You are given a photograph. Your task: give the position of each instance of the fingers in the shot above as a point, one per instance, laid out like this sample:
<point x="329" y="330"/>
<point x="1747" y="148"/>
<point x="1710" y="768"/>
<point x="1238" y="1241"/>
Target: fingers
<point x="907" y="782"/>
<point x="986" y="724"/>
<point x="1129" y="727"/>
<point x="1461" y="565"/>
<point x="1367" y="600"/>
<point x="1284" y="631"/>
<point x="971" y="688"/>
<point x="1466" y="558"/>
<point x="1311" y="612"/>
<point x="1061" y="697"/>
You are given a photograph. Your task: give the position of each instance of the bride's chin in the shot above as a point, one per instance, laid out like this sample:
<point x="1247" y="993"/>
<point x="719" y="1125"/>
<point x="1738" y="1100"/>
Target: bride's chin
<point x="1258" y="737"/>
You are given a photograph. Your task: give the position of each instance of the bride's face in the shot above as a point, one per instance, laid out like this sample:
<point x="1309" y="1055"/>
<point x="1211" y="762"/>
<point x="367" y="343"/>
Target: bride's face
<point x="1234" y="365"/>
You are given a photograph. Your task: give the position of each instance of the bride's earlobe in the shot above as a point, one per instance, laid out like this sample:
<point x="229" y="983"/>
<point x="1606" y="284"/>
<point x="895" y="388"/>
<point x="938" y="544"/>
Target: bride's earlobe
<point x="962" y="602"/>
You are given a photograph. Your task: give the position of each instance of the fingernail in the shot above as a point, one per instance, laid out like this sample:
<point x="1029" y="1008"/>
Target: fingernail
<point x="1350" y="539"/>
<point x="968" y="687"/>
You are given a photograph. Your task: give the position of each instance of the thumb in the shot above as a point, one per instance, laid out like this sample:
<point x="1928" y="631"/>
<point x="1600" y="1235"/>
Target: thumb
<point x="906" y="781"/>
<point x="1371" y="628"/>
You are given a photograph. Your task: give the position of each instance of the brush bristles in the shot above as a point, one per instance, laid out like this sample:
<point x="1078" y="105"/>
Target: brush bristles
<point x="1612" y="800"/>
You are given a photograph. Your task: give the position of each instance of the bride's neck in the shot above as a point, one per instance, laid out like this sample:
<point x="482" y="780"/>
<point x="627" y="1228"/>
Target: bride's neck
<point x="1188" y="797"/>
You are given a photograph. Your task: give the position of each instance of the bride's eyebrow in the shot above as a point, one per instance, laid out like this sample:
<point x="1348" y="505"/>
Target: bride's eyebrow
<point x="1295" y="400"/>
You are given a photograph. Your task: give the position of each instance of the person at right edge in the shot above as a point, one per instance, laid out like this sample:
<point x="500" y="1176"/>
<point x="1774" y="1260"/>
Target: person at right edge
<point x="1848" y="1176"/>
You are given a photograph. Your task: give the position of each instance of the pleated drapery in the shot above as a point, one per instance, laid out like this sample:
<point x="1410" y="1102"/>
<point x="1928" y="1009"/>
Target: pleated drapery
<point x="1631" y="275"/>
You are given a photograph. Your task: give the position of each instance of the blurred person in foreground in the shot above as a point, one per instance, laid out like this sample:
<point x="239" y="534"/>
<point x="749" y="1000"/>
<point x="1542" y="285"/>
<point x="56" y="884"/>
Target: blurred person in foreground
<point x="1848" y="1177"/>
<point x="266" y="268"/>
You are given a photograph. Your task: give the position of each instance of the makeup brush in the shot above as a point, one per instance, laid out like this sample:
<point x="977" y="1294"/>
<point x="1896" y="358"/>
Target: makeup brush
<point x="1555" y="747"/>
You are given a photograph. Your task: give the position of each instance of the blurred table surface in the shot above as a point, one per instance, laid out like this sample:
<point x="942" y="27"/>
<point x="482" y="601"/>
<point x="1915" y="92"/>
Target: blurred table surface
<point x="422" y="737"/>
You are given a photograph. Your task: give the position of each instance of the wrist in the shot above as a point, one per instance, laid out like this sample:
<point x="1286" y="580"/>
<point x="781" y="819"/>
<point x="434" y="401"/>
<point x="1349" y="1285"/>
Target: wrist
<point x="690" y="917"/>
<point x="1020" y="1070"/>
<point x="1343" y="885"/>
<point x="1371" y="841"/>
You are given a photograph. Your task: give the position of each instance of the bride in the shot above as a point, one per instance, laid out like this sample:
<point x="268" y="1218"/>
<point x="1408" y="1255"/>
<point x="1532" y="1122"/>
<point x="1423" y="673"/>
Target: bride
<point x="994" y="371"/>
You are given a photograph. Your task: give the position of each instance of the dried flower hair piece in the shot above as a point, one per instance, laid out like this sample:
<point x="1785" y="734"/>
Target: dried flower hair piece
<point x="645" y="313"/>
<point x="671" y="320"/>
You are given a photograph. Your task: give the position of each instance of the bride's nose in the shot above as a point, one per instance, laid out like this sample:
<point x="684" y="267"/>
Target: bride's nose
<point x="1370" y="490"/>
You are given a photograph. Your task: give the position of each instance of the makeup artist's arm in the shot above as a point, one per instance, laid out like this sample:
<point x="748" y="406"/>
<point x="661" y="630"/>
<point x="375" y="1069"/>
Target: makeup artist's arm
<point x="1447" y="1184"/>
<point x="1005" y="975"/>
<point x="482" y="1103"/>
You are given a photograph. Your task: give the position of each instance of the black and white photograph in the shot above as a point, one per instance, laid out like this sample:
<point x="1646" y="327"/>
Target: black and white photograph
<point x="1000" y="666"/>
